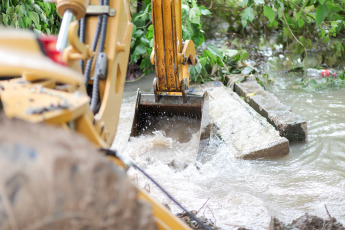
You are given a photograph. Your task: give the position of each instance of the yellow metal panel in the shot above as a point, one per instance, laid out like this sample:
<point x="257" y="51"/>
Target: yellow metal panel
<point x="18" y="39"/>
<point x="36" y="66"/>
<point x="162" y="83"/>
<point x="165" y="220"/>
<point x="35" y="103"/>
<point x="178" y="15"/>
<point x="84" y="125"/>
<point x="117" y="45"/>
<point x="165" y="45"/>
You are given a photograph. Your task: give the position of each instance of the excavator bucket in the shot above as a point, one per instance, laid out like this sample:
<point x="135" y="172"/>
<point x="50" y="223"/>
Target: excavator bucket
<point x="170" y="108"/>
<point x="170" y="114"/>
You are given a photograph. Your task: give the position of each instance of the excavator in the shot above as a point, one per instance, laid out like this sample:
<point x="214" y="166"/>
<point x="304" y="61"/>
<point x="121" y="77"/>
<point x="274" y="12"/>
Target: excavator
<point x="74" y="83"/>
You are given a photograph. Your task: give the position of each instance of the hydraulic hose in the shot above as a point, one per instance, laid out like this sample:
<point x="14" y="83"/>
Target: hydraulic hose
<point x="94" y="97"/>
<point x="82" y="38"/>
<point x="93" y="47"/>
<point x="129" y="163"/>
<point x="104" y="28"/>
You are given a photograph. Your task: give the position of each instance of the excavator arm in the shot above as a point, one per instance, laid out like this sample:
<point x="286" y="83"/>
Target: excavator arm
<point x="171" y="56"/>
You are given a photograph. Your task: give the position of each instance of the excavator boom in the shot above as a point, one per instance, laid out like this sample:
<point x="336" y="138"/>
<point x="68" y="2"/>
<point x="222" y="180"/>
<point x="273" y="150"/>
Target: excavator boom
<point x="172" y="58"/>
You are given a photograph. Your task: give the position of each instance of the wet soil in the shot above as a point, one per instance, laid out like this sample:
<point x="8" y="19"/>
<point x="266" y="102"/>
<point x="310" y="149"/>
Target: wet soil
<point x="307" y="222"/>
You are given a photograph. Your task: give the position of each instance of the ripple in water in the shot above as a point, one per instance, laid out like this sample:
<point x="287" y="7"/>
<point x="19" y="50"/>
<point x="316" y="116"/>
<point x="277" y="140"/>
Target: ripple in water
<point x="248" y="193"/>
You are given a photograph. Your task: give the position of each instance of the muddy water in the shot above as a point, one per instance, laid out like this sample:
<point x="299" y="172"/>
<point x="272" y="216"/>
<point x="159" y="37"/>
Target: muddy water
<point x="247" y="193"/>
<point x="178" y="128"/>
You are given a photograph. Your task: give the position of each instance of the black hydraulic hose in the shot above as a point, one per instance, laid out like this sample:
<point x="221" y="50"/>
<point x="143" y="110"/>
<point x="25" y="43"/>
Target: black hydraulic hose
<point x="104" y="28"/>
<point x="93" y="47"/>
<point x="94" y="97"/>
<point x="82" y="38"/>
<point x="110" y="152"/>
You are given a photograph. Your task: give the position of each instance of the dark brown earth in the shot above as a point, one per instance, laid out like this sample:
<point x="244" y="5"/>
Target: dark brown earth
<point x="307" y="222"/>
<point x="54" y="179"/>
<point x="193" y="224"/>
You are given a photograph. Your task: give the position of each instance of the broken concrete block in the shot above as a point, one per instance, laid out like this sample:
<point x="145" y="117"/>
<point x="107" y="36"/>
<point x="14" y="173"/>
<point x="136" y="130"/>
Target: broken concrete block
<point x="246" y="133"/>
<point x="289" y="125"/>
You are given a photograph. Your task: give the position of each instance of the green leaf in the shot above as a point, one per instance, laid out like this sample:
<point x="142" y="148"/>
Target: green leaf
<point x="204" y="11"/>
<point x="145" y="41"/>
<point x="145" y="63"/>
<point x="244" y="3"/>
<point x="259" y="2"/>
<point x="326" y="39"/>
<point x="321" y="13"/>
<point x="47" y="7"/>
<point x="300" y="23"/>
<point x="210" y="55"/>
<point x="269" y="13"/>
<point x="194" y="15"/>
<point x="139" y="50"/>
<point x="229" y="52"/>
<point x="247" y="15"/>
<point x="138" y="33"/>
<point x="273" y="24"/>
<point x="5" y="19"/>
<point x="185" y="33"/>
<point x="244" y="55"/>
<point x="185" y="8"/>
<point x="215" y="51"/>
<point x="34" y="17"/>
<point x="10" y="10"/>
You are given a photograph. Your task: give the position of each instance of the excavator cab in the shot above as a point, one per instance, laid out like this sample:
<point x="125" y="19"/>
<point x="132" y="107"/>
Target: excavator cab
<point x="172" y="57"/>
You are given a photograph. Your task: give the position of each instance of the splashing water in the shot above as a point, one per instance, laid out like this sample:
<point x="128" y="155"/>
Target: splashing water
<point x="247" y="193"/>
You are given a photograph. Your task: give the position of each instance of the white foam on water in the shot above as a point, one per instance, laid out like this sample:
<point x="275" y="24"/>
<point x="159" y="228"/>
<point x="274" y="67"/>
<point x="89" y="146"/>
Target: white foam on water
<point x="240" y="192"/>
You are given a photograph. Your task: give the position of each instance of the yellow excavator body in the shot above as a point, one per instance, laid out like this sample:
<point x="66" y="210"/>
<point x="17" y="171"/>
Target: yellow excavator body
<point x="36" y="89"/>
<point x="172" y="57"/>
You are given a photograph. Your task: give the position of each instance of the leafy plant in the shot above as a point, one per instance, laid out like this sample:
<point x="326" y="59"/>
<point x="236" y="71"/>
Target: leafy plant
<point x="301" y="24"/>
<point x="142" y="39"/>
<point x="31" y="14"/>
<point x="325" y="83"/>
<point x="216" y="63"/>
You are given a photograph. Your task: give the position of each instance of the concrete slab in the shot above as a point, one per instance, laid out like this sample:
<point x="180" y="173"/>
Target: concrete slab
<point x="246" y="133"/>
<point x="289" y="125"/>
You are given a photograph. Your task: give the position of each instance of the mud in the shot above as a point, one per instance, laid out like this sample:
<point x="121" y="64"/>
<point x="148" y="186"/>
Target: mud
<point x="307" y="222"/>
<point x="193" y="224"/>
<point x="54" y="179"/>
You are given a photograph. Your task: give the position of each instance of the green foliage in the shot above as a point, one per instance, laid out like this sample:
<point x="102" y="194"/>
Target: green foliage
<point x="300" y="24"/>
<point x="325" y="83"/>
<point x="321" y="13"/>
<point x="142" y="43"/>
<point x="216" y="63"/>
<point x="30" y="14"/>
<point x="191" y="21"/>
<point x="247" y="16"/>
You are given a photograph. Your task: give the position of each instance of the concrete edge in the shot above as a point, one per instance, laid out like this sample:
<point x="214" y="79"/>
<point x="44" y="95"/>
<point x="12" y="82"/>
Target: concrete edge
<point x="294" y="131"/>
<point x="276" y="149"/>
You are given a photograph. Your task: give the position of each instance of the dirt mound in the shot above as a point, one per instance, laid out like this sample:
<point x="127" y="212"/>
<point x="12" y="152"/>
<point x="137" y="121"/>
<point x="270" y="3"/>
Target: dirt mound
<point x="54" y="179"/>
<point x="307" y="222"/>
